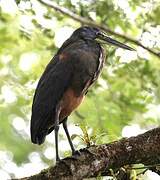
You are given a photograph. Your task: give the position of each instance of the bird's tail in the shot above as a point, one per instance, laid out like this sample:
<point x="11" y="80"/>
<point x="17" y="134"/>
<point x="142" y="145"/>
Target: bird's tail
<point x="39" y="137"/>
<point x="38" y="130"/>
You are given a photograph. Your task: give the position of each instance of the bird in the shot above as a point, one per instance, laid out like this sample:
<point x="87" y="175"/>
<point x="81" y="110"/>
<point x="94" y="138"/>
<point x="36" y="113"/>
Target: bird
<point x="66" y="80"/>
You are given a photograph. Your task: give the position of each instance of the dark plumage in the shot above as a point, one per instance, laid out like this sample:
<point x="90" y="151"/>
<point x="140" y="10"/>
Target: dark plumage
<point x="65" y="81"/>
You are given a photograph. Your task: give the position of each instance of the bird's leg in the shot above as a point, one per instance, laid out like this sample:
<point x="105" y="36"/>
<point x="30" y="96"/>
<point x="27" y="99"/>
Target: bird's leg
<point x="68" y="136"/>
<point x="58" y="109"/>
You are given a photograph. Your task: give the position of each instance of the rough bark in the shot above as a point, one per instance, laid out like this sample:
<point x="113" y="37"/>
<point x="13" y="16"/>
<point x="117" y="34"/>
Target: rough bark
<point x="99" y="159"/>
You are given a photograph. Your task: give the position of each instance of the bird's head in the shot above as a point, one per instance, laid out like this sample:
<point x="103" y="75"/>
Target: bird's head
<point x="86" y="32"/>
<point x="93" y="33"/>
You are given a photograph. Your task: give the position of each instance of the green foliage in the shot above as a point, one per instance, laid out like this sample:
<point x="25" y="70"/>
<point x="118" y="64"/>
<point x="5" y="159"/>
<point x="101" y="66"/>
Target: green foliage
<point x="123" y="94"/>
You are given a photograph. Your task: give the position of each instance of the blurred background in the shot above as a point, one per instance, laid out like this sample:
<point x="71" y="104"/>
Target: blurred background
<point x="124" y="102"/>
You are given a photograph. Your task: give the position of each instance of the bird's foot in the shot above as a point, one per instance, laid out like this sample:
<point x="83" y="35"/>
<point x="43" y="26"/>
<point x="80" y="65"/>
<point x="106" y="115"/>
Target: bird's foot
<point x="57" y="159"/>
<point x="88" y="151"/>
<point x="76" y="153"/>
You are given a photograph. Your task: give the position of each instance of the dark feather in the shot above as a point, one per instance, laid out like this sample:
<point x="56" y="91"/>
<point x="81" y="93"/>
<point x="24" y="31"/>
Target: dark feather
<point x="50" y="89"/>
<point x="74" y="67"/>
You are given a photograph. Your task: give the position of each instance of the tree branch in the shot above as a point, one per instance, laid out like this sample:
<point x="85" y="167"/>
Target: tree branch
<point x="99" y="159"/>
<point x="89" y="22"/>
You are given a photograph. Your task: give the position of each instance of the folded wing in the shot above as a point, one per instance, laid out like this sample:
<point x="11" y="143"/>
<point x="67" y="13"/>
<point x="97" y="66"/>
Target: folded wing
<point x="53" y="83"/>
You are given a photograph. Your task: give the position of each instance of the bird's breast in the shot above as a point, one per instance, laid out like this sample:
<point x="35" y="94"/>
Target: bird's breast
<point x="69" y="103"/>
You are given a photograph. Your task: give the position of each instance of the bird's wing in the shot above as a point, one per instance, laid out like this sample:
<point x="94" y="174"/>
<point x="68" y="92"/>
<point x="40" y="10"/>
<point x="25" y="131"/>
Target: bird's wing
<point x="51" y="86"/>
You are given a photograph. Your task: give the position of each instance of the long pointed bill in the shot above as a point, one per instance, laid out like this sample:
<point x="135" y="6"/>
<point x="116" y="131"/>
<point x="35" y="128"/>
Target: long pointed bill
<point x="114" y="42"/>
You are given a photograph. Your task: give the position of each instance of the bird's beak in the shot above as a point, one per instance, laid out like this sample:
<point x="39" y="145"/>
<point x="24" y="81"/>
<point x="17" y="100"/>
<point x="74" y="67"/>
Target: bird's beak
<point x="111" y="41"/>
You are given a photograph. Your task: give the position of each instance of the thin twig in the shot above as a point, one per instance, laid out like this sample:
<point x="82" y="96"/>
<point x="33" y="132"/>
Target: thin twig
<point x="89" y="22"/>
<point x="143" y="172"/>
<point x="144" y="167"/>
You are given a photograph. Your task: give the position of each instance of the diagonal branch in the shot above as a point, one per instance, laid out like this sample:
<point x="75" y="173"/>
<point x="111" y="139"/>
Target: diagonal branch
<point x="89" y="22"/>
<point x="99" y="159"/>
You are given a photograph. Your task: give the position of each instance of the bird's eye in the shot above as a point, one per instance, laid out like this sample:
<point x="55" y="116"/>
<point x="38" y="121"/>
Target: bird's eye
<point x="97" y="33"/>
